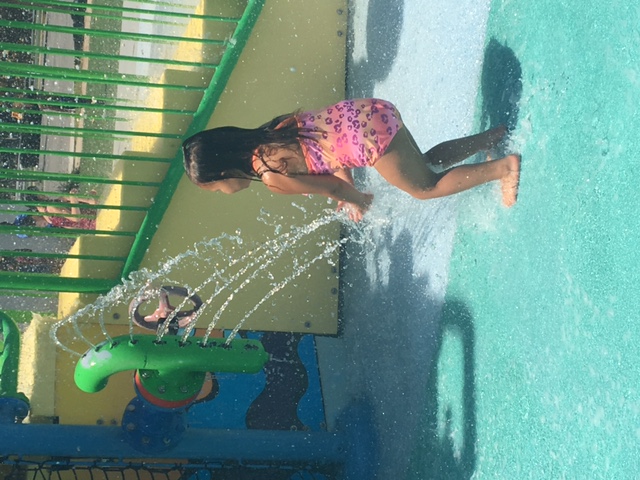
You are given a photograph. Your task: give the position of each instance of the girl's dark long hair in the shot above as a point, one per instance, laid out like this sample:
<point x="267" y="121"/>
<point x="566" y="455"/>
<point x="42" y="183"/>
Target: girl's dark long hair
<point x="227" y="152"/>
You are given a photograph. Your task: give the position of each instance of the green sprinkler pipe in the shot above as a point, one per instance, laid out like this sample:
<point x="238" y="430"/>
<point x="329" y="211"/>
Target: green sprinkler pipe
<point x="168" y="369"/>
<point x="208" y="104"/>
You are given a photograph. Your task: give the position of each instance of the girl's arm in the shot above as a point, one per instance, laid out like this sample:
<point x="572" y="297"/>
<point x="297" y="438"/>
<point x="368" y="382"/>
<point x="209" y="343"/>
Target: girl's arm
<point x="63" y="212"/>
<point x="73" y="209"/>
<point x="345" y="174"/>
<point x="327" y="185"/>
<point x="72" y="198"/>
<point x="43" y="213"/>
<point x="354" y="214"/>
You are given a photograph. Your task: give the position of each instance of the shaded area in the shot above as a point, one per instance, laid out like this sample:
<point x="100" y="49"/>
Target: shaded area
<point x="276" y="408"/>
<point x="440" y="458"/>
<point x="384" y="26"/>
<point x="391" y="334"/>
<point x="501" y="86"/>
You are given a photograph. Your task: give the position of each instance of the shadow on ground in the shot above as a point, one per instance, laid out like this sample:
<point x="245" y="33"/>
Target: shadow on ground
<point x="384" y="25"/>
<point x="437" y="457"/>
<point x="501" y="86"/>
<point x="395" y="332"/>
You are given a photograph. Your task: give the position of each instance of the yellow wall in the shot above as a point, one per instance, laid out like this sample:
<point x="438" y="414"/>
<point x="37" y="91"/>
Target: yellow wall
<point x="294" y="59"/>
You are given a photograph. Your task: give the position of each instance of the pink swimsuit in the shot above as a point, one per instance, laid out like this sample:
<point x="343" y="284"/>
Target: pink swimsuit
<point x="351" y="133"/>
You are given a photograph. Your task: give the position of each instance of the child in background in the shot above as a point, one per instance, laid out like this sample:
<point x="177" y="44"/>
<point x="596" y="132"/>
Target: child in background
<point x="64" y="221"/>
<point x="312" y="153"/>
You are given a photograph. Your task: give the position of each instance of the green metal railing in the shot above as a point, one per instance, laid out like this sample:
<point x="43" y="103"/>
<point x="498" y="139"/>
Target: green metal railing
<point x="68" y="119"/>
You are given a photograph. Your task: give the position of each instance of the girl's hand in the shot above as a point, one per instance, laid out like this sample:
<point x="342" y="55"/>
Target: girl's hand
<point x="356" y="211"/>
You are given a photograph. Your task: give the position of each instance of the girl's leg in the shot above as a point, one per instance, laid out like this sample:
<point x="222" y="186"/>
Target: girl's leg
<point x="403" y="166"/>
<point x="451" y="152"/>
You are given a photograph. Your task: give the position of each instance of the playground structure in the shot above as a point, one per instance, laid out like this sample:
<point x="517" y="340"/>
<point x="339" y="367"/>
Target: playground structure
<point x="134" y="123"/>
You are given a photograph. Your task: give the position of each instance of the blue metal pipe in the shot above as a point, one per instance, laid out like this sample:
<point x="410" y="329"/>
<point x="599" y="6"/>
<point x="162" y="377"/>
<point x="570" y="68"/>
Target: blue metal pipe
<point x="207" y="445"/>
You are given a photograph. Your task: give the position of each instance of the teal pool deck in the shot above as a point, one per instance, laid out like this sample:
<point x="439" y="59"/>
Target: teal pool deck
<point x="532" y="370"/>
<point x="547" y="293"/>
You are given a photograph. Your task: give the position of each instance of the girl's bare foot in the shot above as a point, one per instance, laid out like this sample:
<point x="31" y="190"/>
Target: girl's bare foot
<point x="509" y="183"/>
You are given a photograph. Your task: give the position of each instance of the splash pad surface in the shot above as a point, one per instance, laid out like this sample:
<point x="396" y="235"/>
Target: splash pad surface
<point x="546" y="288"/>
<point x="530" y="371"/>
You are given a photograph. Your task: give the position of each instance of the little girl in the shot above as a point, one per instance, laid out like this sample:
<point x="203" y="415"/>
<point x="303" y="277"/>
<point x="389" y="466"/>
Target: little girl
<point x="312" y="153"/>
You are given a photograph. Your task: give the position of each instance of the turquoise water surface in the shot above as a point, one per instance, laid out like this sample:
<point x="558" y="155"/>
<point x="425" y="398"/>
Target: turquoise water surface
<point x="539" y="370"/>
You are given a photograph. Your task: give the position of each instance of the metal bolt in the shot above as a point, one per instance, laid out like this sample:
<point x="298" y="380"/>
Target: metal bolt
<point x="184" y="389"/>
<point x="131" y="427"/>
<point x="334" y="291"/>
<point x="307" y="324"/>
<point x="146" y="440"/>
<point x="340" y="33"/>
<point x="116" y="316"/>
<point x="162" y="389"/>
<point x="166" y="441"/>
<point x="339" y="11"/>
<point x="131" y="407"/>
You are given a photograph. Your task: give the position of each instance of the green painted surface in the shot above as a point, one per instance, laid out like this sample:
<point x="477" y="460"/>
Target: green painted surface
<point x="550" y="286"/>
